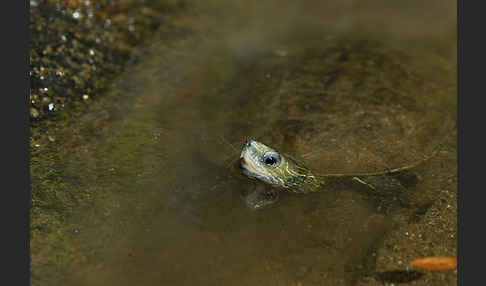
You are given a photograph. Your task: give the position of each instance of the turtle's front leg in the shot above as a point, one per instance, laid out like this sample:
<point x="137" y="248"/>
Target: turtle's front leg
<point x="260" y="196"/>
<point x="387" y="191"/>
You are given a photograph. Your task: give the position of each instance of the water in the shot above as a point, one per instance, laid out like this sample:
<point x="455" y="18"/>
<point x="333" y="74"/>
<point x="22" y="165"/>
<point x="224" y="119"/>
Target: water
<point x="169" y="209"/>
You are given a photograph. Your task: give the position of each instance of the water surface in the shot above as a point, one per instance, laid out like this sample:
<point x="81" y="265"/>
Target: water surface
<point x="170" y="210"/>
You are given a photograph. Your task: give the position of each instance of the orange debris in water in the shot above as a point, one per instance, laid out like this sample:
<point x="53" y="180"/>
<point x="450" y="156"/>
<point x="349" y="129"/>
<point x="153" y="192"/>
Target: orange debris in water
<point x="435" y="262"/>
<point x="73" y="4"/>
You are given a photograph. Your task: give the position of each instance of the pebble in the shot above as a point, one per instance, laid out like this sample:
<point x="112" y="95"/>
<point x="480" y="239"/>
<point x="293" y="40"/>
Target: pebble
<point x="302" y="271"/>
<point x="280" y="52"/>
<point x="34" y="113"/>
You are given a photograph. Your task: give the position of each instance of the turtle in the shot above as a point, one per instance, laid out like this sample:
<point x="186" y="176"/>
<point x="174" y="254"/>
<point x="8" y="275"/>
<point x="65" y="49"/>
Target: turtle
<point x="283" y="172"/>
<point x="342" y="111"/>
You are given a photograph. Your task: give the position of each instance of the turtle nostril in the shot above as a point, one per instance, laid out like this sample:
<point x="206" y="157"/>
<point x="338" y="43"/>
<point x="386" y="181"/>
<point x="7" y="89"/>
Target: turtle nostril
<point x="248" y="142"/>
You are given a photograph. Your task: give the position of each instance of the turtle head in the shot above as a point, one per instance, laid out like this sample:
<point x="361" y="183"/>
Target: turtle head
<point x="263" y="163"/>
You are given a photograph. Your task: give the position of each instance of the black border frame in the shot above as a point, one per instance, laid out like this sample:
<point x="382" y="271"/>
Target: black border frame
<point x="470" y="86"/>
<point x="15" y="119"/>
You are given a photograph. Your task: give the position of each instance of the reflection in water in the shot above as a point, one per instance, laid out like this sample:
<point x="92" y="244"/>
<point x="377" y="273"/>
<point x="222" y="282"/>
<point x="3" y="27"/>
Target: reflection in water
<point x="329" y="97"/>
<point x="398" y="276"/>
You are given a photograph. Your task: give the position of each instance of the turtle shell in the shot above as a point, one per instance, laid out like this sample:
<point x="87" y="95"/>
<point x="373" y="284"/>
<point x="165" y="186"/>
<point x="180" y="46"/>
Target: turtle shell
<point x="349" y="106"/>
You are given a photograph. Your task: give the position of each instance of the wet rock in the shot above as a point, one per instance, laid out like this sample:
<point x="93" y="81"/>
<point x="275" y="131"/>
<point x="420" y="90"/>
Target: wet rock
<point x="74" y="52"/>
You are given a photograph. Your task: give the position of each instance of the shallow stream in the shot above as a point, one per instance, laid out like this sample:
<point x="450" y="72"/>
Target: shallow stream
<point x="168" y="207"/>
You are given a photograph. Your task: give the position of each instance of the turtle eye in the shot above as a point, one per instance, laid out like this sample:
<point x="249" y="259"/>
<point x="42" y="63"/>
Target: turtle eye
<point x="271" y="159"/>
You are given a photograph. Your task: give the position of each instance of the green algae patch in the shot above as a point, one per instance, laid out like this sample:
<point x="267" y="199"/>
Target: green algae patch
<point x="82" y="157"/>
<point x="67" y="183"/>
<point x="78" y="48"/>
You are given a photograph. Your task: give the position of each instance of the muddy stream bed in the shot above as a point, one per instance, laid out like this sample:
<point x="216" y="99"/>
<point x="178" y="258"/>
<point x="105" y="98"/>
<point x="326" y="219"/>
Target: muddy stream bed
<point x="166" y="206"/>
